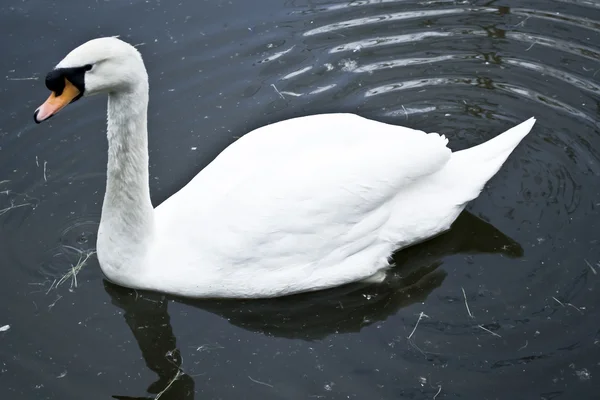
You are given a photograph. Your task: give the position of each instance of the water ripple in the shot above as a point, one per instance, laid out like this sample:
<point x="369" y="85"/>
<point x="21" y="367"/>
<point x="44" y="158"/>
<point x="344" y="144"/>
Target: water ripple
<point x="389" y="40"/>
<point x="399" y="16"/>
<point x="559" y="17"/>
<point x="585" y="3"/>
<point x="404" y="62"/>
<point x="484" y="83"/>
<point x="556" y="73"/>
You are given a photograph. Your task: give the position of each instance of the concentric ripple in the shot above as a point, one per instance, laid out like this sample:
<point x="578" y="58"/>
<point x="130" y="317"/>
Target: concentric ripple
<point x="471" y="72"/>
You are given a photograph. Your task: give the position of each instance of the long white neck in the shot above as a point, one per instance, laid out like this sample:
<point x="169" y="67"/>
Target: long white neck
<point x="127" y="221"/>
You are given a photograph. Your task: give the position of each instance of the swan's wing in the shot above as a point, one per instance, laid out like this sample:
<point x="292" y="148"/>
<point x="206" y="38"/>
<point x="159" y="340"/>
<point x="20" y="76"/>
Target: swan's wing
<point x="297" y="197"/>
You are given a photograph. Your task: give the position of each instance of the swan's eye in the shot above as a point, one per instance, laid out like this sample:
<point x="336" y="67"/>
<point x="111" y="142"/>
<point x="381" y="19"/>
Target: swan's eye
<point x="88" y="67"/>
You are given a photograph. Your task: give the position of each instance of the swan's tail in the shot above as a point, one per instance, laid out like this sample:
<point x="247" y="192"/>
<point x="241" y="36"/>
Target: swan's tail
<point x="477" y="165"/>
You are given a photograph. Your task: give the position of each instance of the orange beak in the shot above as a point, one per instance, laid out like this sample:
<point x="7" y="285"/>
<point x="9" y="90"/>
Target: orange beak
<point x="56" y="103"/>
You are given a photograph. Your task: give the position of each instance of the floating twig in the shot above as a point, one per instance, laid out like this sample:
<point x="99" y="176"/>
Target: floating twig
<point x="529" y="48"/>
<point x="438" y="392"/>
<point x="467" y="304"/>
<point x="259" y="382"/>
<point x="58" y="297"/>
<point x="72" y="273"/>
<point x="45" y="165"/>
<point x="571" y="305"/>
<point x="421" y="315"/>
<point x="276" y="90"/>
<point x="12" y="206"/>
<point x="590" y="265"/>
<point x="31" y="78"/>
<point x="558" y="301"/>
<point x="487" y="330"/>
<point x="522" y="347"/>
<point x="177" y="375"/>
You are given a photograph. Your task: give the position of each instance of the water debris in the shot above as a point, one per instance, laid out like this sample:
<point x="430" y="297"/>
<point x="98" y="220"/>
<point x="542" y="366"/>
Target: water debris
<point x="4" y="328"/>
<point x="577" y="308"/>
<point x="522" y="23"/>
<point x="567" y="304"/>
<point x="529" y="48"/>
<point x="72" y="273"/>
<point x="487" y="330"/>
<point x="467" y="304"/>
<point x="591" y="267"/>
<point x="62" y="375"/>
<point x="421" y="316"/>
<point x="405" y="112"/>
<point x="177" y="375"/>
<point x="558" y="301"/>
<point x="291" y="94"/>
<point x="37" y="163"/>
<point x="259" y="382"/>
<point x="583" y="374"/>
<point x="438" y="392"/>
<point x="51" y="286"/>
<point x="45" y="165"/>
<point x="13" y="206"/>
<point x="208" y="347"/>
<point x="31" y="78"/>
<point x="522" y="347"/>
<point x="278" y="92"/>
<point x="58" y="297"/>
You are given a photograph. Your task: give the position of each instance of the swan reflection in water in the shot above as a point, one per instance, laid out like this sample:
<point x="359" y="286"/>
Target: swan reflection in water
<point x="309" y="316"/>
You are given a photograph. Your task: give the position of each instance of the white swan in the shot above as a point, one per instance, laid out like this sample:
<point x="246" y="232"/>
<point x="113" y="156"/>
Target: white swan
<point x="300" y="205"/>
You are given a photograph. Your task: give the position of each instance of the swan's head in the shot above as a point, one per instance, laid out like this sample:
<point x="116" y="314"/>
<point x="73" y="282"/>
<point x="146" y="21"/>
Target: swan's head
<point x="104" y="65"/>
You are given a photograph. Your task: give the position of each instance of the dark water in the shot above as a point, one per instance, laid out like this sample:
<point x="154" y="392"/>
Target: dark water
<point x="525" y="254"/>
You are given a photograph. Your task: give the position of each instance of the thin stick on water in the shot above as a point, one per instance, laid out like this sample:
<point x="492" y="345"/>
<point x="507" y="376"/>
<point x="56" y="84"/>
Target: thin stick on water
<point x="31" y="78"/>
<point x="45" y="164"/>
<point x="558" y="301"/>
<point x="259" y="382"/>
<point x="278" y="92"/>
<point x="590" y="265"/>
<point x="421" y="315"/>
<point x="13" y="206"/>
<point x="58" y="297"/>
<point x="487" y="330"/>
<point x="467" y="304"/>
<point x="51" y="286"/>
<point x="522" y="23"/>
<point x="577" y="308"/>
<point x="524" y="346"/>
<point x="177" y="375"/>
<point x="529" y="48"/>
<point x="438" y="392"/>
<point x="72" y="273"/>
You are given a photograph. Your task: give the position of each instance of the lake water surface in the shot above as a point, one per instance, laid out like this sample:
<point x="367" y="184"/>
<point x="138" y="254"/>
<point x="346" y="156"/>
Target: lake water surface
<point x="524" y="261"/>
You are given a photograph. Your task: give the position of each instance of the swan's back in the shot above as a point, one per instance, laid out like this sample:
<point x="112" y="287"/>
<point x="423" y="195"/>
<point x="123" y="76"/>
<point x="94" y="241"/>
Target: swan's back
<point x="291" y="200"/>
<point x="311" y="203"/>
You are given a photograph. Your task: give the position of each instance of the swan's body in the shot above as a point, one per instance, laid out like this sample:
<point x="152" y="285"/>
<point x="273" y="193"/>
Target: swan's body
<point x="304" y="204"/>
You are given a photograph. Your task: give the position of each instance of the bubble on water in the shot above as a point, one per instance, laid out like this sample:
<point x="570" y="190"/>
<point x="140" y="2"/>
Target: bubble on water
<point x="583" y="374"/>
<point x="347" y="65"/>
